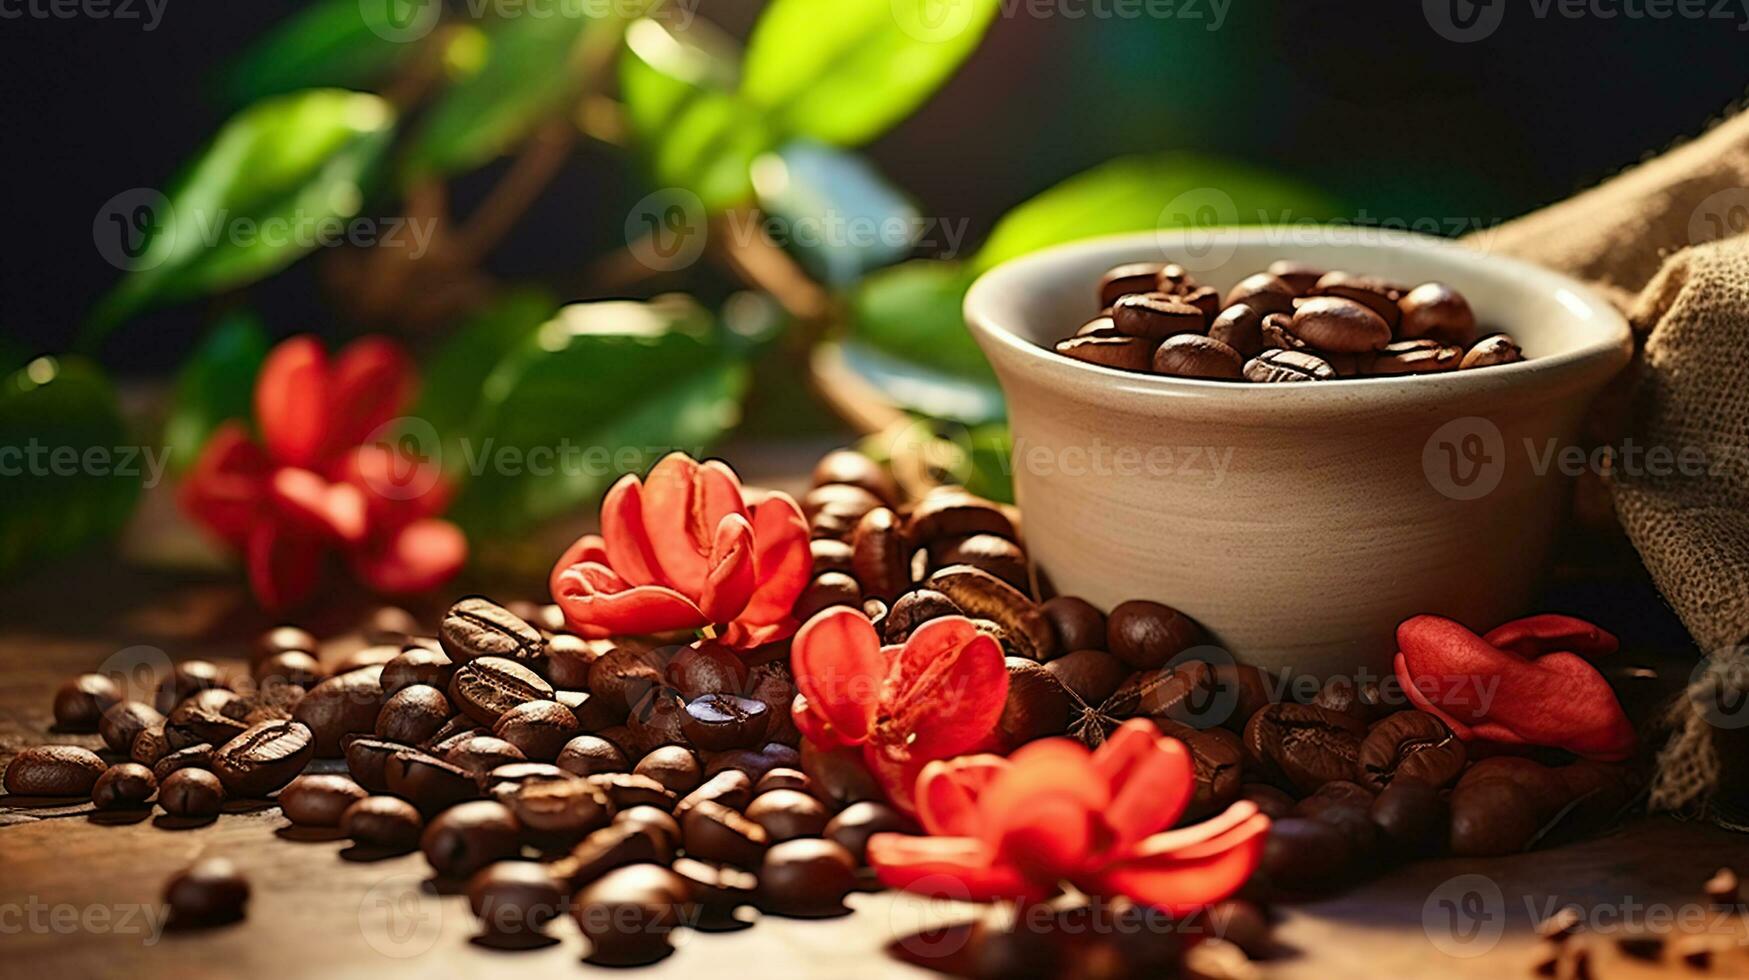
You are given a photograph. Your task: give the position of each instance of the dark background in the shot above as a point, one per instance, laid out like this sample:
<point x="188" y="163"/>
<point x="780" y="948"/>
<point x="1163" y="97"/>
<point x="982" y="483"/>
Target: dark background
<point x="1361" y="98"/>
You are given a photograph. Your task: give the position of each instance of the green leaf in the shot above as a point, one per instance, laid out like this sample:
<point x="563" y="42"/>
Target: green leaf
<point x="274" y="183"/>
<point x="71" y="471"/>
<point x="451" y="392"/>
<point x="338" y="43"/>
<point x="841" y="215"/>
<point x="912" y="312"/>
<point x="217" y="384"/>
<point x="1141" y="193"/>
<point x="600" y="390"/>
<point x="846" y="71"/>
<point x="532" y="72"/>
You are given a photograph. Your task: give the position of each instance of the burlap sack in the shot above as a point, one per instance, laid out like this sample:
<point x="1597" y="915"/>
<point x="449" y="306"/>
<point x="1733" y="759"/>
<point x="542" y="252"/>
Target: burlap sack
<point x="1669" y="242"/>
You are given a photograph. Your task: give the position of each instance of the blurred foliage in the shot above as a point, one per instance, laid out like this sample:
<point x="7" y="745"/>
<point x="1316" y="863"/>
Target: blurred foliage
<point x="217" y="383"/>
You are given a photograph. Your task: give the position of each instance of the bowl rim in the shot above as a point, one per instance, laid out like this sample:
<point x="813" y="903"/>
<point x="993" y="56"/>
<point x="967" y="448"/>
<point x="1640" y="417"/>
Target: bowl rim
<point x="1587" y="365"/>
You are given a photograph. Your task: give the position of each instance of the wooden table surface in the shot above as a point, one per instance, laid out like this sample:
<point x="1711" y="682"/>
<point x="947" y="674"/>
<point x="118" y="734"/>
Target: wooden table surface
<point x="80" y="892"/>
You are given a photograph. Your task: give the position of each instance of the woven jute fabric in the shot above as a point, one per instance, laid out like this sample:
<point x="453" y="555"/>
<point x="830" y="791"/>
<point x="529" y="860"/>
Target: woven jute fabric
<point x="1668" y="241"/>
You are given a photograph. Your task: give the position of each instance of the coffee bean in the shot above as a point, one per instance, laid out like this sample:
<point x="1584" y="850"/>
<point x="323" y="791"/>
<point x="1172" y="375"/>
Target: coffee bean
<point x="53" y="770"/>
<point x="629" y="789"/>
<point x="717" y="722"/>
<point x="856" y="823"/>
<point x="81" y="702"/>
<point x="1298" y="276"/>
<point x="1124" y="280"/>
<point x="783" y="778"/>
<point x="716" y="833"/>
<point x="824" y="592"/>
<point x="847" y="466"/>
<point x="413" y="715"/>
<point x="1206" y="299"/>
<point x="418" y="666"/>
<point x="557" y="813"/>
<point x="482" y="753"/>
<point x="1414" y="357"/>
<point x="1412" y="816"/>
<point x="1037" y="705"/>
<point x="659" y="719"/>
<point x="319" y="800"/>
<point x="1271" y="802"/>
<point x="984" y="596"/>
<point x="538" y="729"/>
<point x="807" y="878"/>
<point x="485" y="688"/>
<point x="1145" y="635"/>
<point x="468" y="836"/>
<point x="673" y="766"/>
<point x="1078" y="624"/>
<point x="951" y="512"/>
<point x="477" y="627"/>
<point x="705" y="667"/>
<point x="587" y="755"/>
<point x="614" y="846"/>
<point x="507" y="777"/>
<point x="366" y="758"/>
<point x="1218" y="959"/>
<point x="1218" y="764"/>
<point x="1241" y="328"/>
<point x="187" y="678"/>
<point x="281" y="639"/>
<point x="1264" y="293"/>
<point x="191" y="793"/>
<point x="1091" y="675"/>
<point x="1723" y="890"/>
<point x="193" y="723"/>
<point x="1492" y="350"/>
<point x="625" y="675"/>
<point x="374" y="657"/>
<point x="127" y="784"/>
<point x="754" y="762"/>
<point x="878" y="554"/>
<point x="1277" y="366"/>
<point x="788" y="814"/>
<point x="1123" y="353"/>
<point x="429" y="783"/>
<point x="209" y="892"/>
<point x="123" y="721"/>
<point x="263" y="758"/>
<point x="839" y="775"/>
<point x="1196" y="356"/>
<point x="912" y="610"/>
<point x="1411" y="744"/>
<point x="628" y="914"/>
<point x="339" y="705"/>
<point x="832" y="556"/>
<point x="1156" y="316"/>
<point x="290" y="667"/>
<point x="1377" y="295"/>
<point x="194" y="757"/>
<point x="1347" y="807"/>
<point x="514" y="898"/>
<point x="1541" y="785"/>
<point x="150" y="745"/>
<point x="719" y="891"/>
<point x="1308" y="745"/>
<point x="731" y="788"/>
<point x="1307" y="855"/>
<point x="1100" y="326"/>
<point x="1491" y="818"/>
<point x="1276" y="333"/>
<point x="657" y="821"/>
<point x="1336" y="324"/>
<point x="383" y="821"/>
<point x="1363" y="701"/>
<point x="1438" y="311"/>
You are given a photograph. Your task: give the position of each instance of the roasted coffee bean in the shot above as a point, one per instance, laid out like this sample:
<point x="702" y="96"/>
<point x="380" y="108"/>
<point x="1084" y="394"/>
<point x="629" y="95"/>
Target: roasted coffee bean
<point x="1276" y="333"/>
<point x="1078" y="624"/>
<point x="831" y="555"/>
<point x="1218" y="959"/>
<point x="1300" y="278"/>
<point x="383" y="821"/>
<point x="754" y="762"/>
<point x="418" y="666"/>
<point x="1218" y="763"/>
<point x="1308" y="745"/>
<point x="123" y="722"/>
<point x="370" y="657"/>
<point x="1238" y="691"/>
<point x="1145" y="635"/>
<point x="127" y="784"/>
<point x="482" y="753"/>
<point x="659" y="719"/>
<point x="477" y="627"/>
<point x="1347" y="807"/>
<point x="731" y="788"/>
<point x="628" y="914"/>
<point x="192" y="723"/>
<point x="429" y="783"/>
<point x="1438" y="311"/>
<point x="1363" y="700"/>
<point x="538" y="729"/>
<point x="557" y="813"/>
<point x="81" y="702"/>
<point x="510" y="775"/>
<point x="839" y="775"/>
<point x="209" y="892"/>
<point x="1100" y="326"/>
<point x="187" y="678"/>
<point x="1412" y="816"/>
<point x="1411" y="744"/>
<point x="656" y="821"/>
<point x="263" y="758"/>
<point x="824" y="592"/>
<point x="281" y="639"/>
<point x="718" y="891"/>
<point x="856" y="823"/>
<point x="339" y="705"/>
<point x="1037" y="705"/>
<point x="1277" y="366"/>
<point x="1125" y="353"/>
<point x="514" y="898"/>
<point x="992" y="553"/>
<point x="1264" y="293"/>
<point x="716" y="833"/>
<point x="879" y="557"/>
<point x="1491" y="350"/>
<point x="290" y="667"/>
<point x="787" y="814"/>
<point x="1240" y="327"/>
<point x="1271" y="802"/>
<point x="194" y="757"/>
<point x="629" y="789"/>
<point x="615" y="846"/>
<point x="1307" y="855"/>
<point x="1415" y="357"/>
<point x="1491" y="818"/>
<point x="485" y="688"/>
<point x="468" y="836"/>
<point x="717" y="722"/>
<point x="850" y="467"/>
<point x="1723" y="890"/>
<point x="1336" y="324"/>
<point x="388" y="625"/>
<point x="1017" y="951"/>
<point x="587" y="755"/>
<point x="1196" y="356"/>
<point x="1125" y="280"/>
<point x="674" y="766"/>
<point x="704" y="668"/>
<point x="1206" y="299"/>
<point x="783" y="778"/>
<point x="912" y="610"/>
<point x="984" y="596"/>
<point x="191" y="793"/>
<point x="951" y="512"/>
<point x="1091" y="675"/>
<point x="413" y="715"/>
<point x="1377" y="295"/>
<point x="569" y="658"/>
<point x="807" y="878"/>
<point x="53" y="770"/>
<point x="1156" y="316"/>
<point x="150" y="745"/>
<point x="319" y="800"/>
<point x="366" y="759"/>
<point x="1541" y="785"/>
<point x="625" y="675"/>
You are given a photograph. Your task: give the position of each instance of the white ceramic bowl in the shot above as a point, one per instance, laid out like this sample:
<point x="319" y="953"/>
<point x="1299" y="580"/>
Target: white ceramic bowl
<point x="1300" y="522"/>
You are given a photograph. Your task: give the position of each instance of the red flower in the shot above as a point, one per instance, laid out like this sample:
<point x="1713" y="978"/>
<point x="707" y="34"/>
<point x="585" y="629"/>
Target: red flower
<point x="1017" y="828"/>
<point x="309" y="487"/>
<point x="684" y="549"/>
<point x="1525" y="683"/>
<point x="938" y="696"/>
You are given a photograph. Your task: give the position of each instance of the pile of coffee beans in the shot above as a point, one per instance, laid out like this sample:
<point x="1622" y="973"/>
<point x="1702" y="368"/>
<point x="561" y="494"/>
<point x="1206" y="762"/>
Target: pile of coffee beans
<point x="1289" y="323"/>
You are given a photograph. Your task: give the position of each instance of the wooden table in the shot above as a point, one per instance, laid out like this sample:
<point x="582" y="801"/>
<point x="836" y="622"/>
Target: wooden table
<point x="79" y="891"/>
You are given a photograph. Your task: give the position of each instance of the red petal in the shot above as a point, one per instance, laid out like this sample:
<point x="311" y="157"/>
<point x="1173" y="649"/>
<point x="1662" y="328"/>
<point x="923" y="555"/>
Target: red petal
<point x="683" y="504"/>
<point x="1179" y="873"/>
<point x="813" y="725"/>
<point x="627" y="540"/>
<point x="1533" y="636"/>
<point x="956" y="868"/>
<point x="740" y="636"/>
<point x="372" y="380"/>
<point x="316" y="506"/>
<point x="226" y="487"/>
<point x="589" y="548"/>
<point x="1043" y="811"/>
<point x="291" y="402"/>
<point x="416" y="558"/>
<point x="399" y="487"/>
<point x="948" y="790"/>
<point x="782" y="561"/>
<point x="284" y="565"/>
<point x="1151" y="780"/>
<point x="945" y="692"/>
<point x="1450" y="666"/>
<point x="1400" y="666"/>
<point x="837" y="662"/>
<point x="730" y="582"/>
<point x="592" y="595"/>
